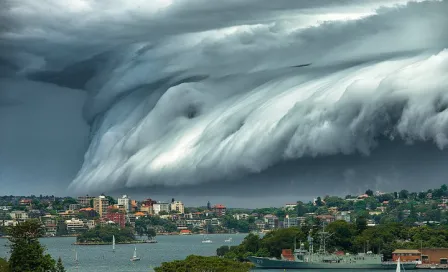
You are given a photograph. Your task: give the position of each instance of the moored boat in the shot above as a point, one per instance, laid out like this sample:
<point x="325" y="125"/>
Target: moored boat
<point x="304" y="259"/>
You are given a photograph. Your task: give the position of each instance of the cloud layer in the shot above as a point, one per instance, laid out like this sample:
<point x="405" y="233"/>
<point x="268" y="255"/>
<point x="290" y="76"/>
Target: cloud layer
<point x="196" y="95"/>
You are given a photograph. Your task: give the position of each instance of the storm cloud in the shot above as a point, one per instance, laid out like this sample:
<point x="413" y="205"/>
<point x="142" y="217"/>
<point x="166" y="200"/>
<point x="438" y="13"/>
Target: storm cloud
<point x="243" y="97"/>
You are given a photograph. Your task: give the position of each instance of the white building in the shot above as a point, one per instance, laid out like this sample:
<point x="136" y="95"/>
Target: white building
<point x="125" y="202"/>
<point x="241" y="216"/>
<point x="74" y="225"/>
<point x="178" y="206"/>
<point x="19" y="215"/>
<point x="161" y="206"/>
<point x="290" y="206"/>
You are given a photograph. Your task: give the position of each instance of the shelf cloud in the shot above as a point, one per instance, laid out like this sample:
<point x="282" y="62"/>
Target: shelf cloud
<point x="242" y="97"/>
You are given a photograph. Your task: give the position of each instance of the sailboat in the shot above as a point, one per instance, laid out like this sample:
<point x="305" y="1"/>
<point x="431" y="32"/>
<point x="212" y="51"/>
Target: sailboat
<point x="205" y="239"/>
<point x="134" y="257"/>
<point x="113" y="243"/>
<point x="399" y="266"/>
<point x="228" y="240"/>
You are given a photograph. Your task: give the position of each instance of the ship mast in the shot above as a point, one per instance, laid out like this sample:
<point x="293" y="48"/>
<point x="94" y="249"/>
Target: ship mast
<point x="310" y="242"/>
<point x="323" y="236"/>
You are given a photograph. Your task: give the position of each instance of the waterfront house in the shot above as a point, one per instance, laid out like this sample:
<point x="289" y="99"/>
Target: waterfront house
<point x="185" y="232"/>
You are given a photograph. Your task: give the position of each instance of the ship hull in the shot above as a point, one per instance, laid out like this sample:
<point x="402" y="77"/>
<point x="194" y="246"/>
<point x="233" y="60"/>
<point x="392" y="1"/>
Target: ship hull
<point x="282" y="264"/>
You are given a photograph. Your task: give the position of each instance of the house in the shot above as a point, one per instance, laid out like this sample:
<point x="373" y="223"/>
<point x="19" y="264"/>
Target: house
<point x="178" y="206"/>
<point x="260" y="224"/>
<point x="74" y="207"/>
<point x="75" y="225"/>
<point x="185" y="232"/>
<point x="139" y="214"/>
<point x="271" y="221"/>
<point x="25" y="202"/>
<point x="88" y="212"/>
<point x="241" y="216"/>
<point x="291" y="222"/>
<point x="326" y="218"/>
<point x="406" y="255"/>
<point x="290" y="206"/>
<point x="332" y="210"/>
<point x="161" y="207"/>
<point x="343" y="215"/>
<point x="363" y="196"/>
<point x="19" y="216"/>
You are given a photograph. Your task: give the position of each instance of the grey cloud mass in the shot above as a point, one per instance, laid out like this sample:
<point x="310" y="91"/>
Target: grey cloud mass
<point x="206" y="99"/>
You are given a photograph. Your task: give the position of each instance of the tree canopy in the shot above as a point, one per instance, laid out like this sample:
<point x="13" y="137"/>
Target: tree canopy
<point x="104" y="235"/>
<point x="199" y="264"/>
<point x="27" y="254"/>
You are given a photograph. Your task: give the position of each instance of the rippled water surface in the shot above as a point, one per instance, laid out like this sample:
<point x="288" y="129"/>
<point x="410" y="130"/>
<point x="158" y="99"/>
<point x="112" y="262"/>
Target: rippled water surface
<point x="102" y="259"/>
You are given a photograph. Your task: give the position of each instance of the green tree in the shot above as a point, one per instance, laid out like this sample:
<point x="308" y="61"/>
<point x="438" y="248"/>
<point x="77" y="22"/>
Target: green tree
<point x="199" y="263"/>
<point x="222" y="250"/>
<point x="342" y="233"/>
<point x="403" y="194"/>
<point x="334" y="201"/>
<point x="27" y="254"/>
<point x="60" y="266"/>
<point x="4" y="266"/>
<point x="444" y="188"/>
<point x="421" y="195"/>
<point x="369" y="192"/>
<point x="112" y="201"/>
<point x="361" y="224"/>
<point x="163" y="213"/>
<point x="151" y="233"/>
<point x="300" y="208"/>
<point x="61" y="228"/>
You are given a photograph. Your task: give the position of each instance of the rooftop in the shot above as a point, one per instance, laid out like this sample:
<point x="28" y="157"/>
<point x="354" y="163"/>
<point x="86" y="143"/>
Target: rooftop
<point x="401" y="251"/>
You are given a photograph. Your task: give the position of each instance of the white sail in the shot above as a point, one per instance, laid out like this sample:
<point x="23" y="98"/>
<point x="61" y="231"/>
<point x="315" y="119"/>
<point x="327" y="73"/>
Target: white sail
<point x="398" y="266"/>
<point x="113" y="242"/>
<point x="135" y="253"/>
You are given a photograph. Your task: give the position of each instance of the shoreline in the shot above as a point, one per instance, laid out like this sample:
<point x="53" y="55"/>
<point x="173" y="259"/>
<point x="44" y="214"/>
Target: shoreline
<point x="117" y="243"/>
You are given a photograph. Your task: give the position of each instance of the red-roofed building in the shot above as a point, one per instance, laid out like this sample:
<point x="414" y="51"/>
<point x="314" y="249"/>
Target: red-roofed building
<point x="219" y="210"/>
<point x="88" y="212"/>
<point x="326" y="218"/>
<point x="363" y="196"/>
<point x="117" y="218"/>
<point x="25" y="201"/>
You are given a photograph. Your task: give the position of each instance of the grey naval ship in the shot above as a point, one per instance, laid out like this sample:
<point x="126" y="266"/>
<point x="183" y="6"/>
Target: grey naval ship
<point x="303" y="259"/>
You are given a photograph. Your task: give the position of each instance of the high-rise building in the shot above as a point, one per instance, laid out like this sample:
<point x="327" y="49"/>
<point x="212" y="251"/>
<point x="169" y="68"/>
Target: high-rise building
<point x="84" y="201"/>
<point x="219" y="210"/>
<point x="100" y="205"/>
<point x="125" y="203"/>
<point x="161" y="206"/>
<point x="178" y="206"/>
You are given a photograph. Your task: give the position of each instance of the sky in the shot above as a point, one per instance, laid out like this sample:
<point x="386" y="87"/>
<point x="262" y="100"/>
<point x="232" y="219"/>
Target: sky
<point x="247" y="103"/>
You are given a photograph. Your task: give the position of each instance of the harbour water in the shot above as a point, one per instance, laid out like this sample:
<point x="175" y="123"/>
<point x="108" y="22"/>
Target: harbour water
<point x="103" y="259"/>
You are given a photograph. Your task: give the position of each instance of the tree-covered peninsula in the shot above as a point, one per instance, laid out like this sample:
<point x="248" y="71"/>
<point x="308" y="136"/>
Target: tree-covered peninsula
<point x="104" y="236"/>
